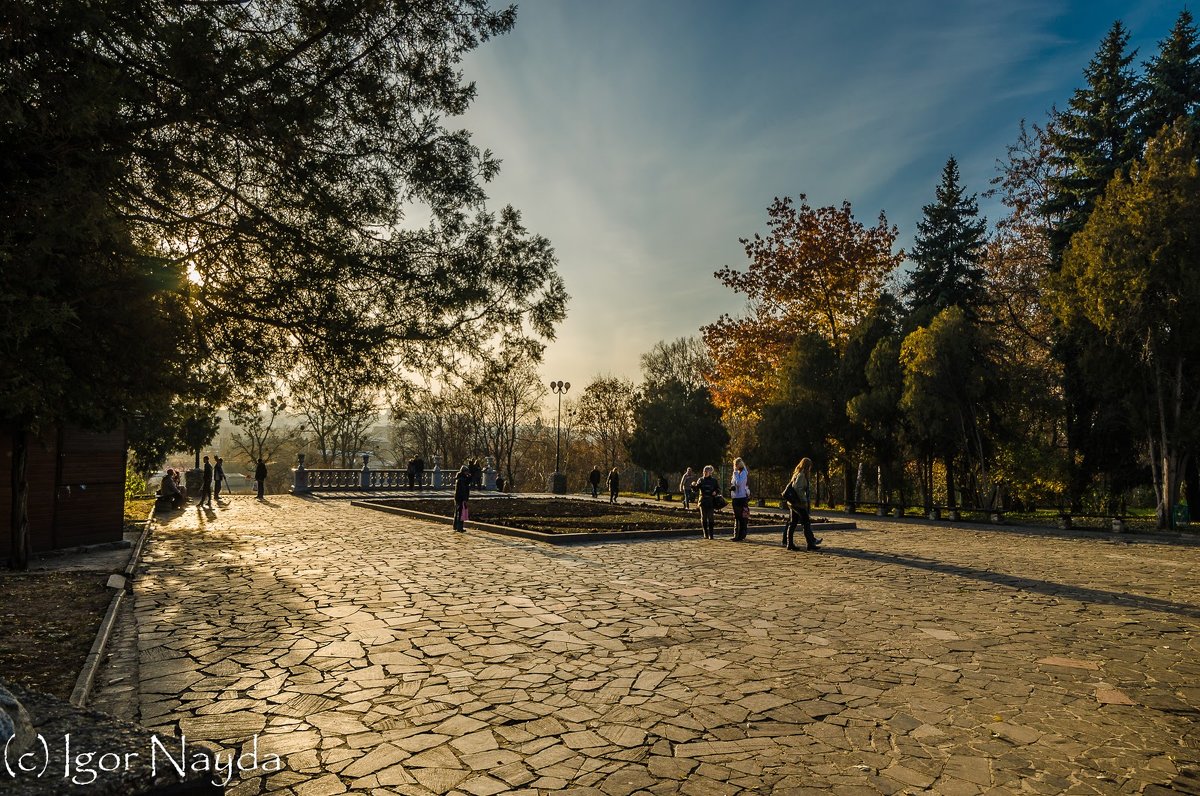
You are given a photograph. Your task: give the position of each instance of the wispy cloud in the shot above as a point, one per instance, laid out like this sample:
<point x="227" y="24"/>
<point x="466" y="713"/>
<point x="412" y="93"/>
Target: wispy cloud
<point x="645" y="138"/>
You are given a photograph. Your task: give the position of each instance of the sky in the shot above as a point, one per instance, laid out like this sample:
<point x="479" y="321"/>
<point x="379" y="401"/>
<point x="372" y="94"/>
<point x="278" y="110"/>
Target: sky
<point x="643" y="138"/>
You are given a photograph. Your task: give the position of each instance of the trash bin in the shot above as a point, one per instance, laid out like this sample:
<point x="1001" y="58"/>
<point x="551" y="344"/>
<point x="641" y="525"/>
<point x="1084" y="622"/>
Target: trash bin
<point x="1183" y="515"/>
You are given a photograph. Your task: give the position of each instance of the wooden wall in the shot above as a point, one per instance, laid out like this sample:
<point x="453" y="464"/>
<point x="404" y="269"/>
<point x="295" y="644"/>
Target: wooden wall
<point x="76" y="488"/>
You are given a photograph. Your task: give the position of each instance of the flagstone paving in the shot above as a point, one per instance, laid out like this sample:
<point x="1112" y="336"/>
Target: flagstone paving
<point x="381" y="654"/>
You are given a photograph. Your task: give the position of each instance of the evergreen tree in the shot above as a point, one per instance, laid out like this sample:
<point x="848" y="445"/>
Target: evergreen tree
<point x="1172" y="81"/>
<point x="675" y="427"/>
<point x="948" y="251"/>
<point x="1091" y="141"/>
<point x="1093" y="138"/>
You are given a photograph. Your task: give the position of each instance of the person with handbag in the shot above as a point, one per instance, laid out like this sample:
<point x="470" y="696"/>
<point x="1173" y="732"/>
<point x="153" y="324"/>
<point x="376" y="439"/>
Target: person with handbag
<point x="708" y="490"/>
<point x="797" y="494"/>
<point x="739" y="492"/>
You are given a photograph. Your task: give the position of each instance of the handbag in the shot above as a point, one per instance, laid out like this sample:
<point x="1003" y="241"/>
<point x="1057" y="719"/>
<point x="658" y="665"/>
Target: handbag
<point x="718" y="502"/>
<point x="790" y="495"/>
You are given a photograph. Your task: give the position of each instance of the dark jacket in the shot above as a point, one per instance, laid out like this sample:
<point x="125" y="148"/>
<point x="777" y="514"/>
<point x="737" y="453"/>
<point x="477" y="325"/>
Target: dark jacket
<point x="708" y="489"/>
<point x="462" y="486"/>
<point x="595" y="478"/>
<point x="614" y="480"/>
<point x="260" y="472"/>
<point x="208" y="472"/>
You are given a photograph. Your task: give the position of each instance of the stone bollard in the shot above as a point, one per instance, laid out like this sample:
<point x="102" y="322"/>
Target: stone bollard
<point x="997" y="518"/>
<point x="300" y="477"/>
<point x="437" y="473"/>
<point x="489" y="475"/>
<point x="1119" y="526"/>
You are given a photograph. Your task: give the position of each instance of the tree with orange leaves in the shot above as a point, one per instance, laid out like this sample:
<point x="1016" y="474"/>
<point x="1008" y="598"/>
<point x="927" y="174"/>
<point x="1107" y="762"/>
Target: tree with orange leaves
<point x="816" y="271"/>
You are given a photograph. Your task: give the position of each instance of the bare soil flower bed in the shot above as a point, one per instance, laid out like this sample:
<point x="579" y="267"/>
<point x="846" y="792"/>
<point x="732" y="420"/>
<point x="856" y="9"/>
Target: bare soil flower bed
<point x="551" y="515"/>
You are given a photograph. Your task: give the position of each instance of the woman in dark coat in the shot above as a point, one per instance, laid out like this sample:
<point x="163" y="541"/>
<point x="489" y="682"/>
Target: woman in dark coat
<point x="462" y="492"/>
<point x="614" y="485"/>
<point x="707" y="488"/>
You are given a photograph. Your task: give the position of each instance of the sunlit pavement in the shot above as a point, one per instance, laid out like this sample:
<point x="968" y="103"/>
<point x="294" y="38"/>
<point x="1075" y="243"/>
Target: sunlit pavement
<point x="375" y="653"/>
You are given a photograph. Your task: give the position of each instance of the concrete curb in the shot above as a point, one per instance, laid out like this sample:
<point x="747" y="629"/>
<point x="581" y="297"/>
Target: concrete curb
<point x="582" y="538"/>
<point x="121" y="583"/>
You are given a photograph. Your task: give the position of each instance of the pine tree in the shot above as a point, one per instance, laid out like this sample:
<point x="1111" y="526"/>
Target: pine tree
<point x="1093" y="138"/>
<point x="1172" y="81"/>
<point x="948" y="250"/>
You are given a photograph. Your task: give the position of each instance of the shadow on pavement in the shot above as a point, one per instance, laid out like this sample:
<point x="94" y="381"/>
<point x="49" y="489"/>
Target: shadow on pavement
<point x="1081" y="593"/>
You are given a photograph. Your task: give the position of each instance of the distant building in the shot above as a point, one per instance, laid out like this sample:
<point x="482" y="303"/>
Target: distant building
<point x="76" y="488"/>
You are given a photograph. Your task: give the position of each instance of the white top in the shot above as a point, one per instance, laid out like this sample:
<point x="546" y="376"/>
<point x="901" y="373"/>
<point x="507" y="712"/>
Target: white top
<point x="739" y="483"/>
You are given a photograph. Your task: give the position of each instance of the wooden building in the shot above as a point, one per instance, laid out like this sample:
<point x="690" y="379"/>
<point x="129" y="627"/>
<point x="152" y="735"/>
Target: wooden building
<point x="76" y="488"/>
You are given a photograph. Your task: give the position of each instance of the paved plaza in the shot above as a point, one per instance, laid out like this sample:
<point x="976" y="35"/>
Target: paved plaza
<point x="382" y="654"/>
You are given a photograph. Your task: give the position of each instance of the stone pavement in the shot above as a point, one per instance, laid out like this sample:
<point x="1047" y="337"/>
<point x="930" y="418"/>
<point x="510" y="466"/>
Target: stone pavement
<point x="380" y="654"/>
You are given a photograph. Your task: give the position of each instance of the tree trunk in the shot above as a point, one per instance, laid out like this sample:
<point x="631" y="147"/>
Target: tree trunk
<point x="19" y="551"/>
<point x="950" y="504"/>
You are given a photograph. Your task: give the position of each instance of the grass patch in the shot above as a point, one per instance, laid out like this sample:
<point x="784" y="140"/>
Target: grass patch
<point x="49" y="622"/>
<point x="138" y="509"/>
<point x="550" y="515"/>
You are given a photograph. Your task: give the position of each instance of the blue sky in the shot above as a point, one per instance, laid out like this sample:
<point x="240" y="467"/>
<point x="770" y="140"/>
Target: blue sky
<point x="644" y="137"/>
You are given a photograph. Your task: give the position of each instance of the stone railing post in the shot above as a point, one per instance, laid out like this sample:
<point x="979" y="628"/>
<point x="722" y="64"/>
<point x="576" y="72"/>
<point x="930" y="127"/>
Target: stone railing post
<point x="300" y="477"/>
<point x="364" y="480"/>
<point x="489" y="475"/>
<point x="437" y="473"/>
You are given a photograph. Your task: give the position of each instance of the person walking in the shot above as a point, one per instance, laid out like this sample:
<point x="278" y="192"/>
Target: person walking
<point x="614" y="485"/>
<point x="594" y="478"/>
<point x="707" y="489"/>
<point x="260" y="475"/>
<point x="462" y="493"/>
<point x="739" y="491"/>
<point x="685" y="487"/>
<point x="798" y="495"/>
<point x="206" y="485"/>
<point x="219" y="478"/>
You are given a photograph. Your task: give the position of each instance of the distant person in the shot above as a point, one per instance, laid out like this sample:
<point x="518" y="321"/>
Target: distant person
<point x="419" y="471"/>
<point x="206" y="485"/>
<point x="500" y="483"/>
<point x="614" y="485"/>
<point x="411" y="472"/>
<point x="660" y="489"/>
<point x="685" y="487"/>
<point x="707" y="489"/>
<point x="739" y="491"/>
<point x="219" y="478"/>
<point x="798" y="495"/>
<point x="476" y="472"/>
<point x="169" y="488"/>
<point x="260" y="476"/>
<point x="594" y="479"/>
<point x="462" y="493"/>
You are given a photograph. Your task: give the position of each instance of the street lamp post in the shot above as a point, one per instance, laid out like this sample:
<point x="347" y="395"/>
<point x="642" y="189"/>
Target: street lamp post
<point x="558" y="481"/>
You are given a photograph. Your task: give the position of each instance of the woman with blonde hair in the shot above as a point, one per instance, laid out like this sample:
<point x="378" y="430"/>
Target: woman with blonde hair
<point x="739" y="491"/>
<point x="708" y="490"/>
<point x="798" y="495"/>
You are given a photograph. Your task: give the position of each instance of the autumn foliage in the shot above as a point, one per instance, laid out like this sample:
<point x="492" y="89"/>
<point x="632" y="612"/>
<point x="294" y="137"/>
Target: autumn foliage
<point x="816" y="271"/>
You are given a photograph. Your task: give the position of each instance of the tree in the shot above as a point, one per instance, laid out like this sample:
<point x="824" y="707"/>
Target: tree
<point x="262" y="428"/>
<point x="1089" y="142"/>
<point x="606" y="415"/>
<point x="340" y="402"/>
<point x="685" y="360"/>
<point x="1172" y="80"/>
<point x="946" y="379"/>
<point x="802" y="409"/>
<point x="675" y="427"/>
<point x="510" y="392"/>
<point x="876" y="411"/>
<point x="1132" y="272"/>
<point x="947" y="251"/>
<point x="818" y="271"/>
<point x="1093" y="138"/>
<point x="266" y="150"/>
